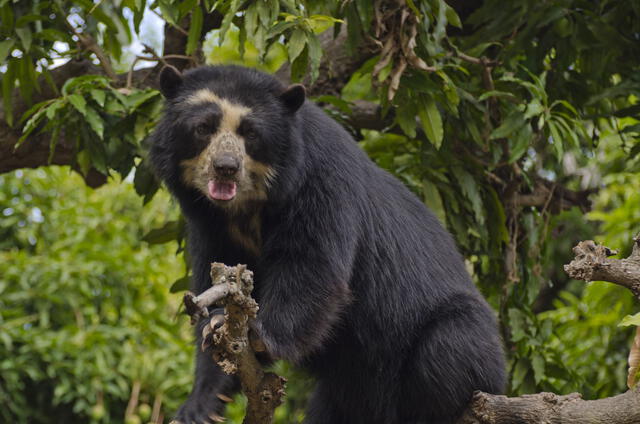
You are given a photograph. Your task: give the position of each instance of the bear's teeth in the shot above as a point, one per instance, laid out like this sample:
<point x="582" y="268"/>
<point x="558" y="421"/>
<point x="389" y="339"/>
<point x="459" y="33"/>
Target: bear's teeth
<point x="222" y="190"/>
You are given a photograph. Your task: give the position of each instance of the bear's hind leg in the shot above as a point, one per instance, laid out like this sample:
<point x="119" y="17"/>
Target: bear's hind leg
<point x="322" y="408"/>
<point x="457" y="353"/>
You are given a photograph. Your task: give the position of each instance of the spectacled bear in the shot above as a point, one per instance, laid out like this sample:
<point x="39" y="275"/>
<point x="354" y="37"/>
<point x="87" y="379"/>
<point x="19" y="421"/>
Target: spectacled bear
<point x="356" y="280"/>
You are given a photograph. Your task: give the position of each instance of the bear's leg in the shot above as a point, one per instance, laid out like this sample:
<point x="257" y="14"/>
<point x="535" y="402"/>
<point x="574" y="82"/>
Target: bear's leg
<point x="210" y="381"/>
<point x="321" y="408"/>
<point x="340" y="402"/>
<point x="457" y="353"/>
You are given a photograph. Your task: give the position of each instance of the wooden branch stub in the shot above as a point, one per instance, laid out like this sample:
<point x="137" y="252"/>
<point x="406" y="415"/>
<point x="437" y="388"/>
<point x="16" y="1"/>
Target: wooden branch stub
<point x="232" y="345"/>
<point x="196" y="306"/>
<point x="592" y="263"/>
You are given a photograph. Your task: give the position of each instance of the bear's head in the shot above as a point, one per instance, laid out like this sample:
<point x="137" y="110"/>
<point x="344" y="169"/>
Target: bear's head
<point x="226" y="133"/>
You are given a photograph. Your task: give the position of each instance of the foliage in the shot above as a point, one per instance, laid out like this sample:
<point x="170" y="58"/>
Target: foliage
<point x="77" y="326"/>
<point x="483" y="104"/>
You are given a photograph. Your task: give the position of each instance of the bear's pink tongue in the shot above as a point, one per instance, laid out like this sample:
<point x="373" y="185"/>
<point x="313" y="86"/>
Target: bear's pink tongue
<point x="222" y="190"/>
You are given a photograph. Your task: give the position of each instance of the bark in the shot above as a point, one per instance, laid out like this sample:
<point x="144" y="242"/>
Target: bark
<point x="549" y="408"/>
<point x="233" y="348"/>
<point x="592" y="263"/>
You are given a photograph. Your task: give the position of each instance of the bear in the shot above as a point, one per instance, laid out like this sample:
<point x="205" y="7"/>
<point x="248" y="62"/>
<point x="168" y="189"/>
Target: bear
<point x="356" y="280"/>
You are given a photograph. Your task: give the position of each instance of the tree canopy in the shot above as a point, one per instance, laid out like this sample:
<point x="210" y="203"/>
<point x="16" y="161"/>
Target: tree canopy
<point x="511" y="120"/>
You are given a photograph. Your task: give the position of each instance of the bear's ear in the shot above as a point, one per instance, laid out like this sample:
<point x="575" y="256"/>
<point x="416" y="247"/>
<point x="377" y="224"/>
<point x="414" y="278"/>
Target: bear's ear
<point x="170" y="81"/>
<point x="293" y="97"/>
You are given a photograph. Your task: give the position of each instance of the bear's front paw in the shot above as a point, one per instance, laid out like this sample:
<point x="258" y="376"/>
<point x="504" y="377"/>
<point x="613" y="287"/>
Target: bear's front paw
<point x="209" y="328"/>
<point x="200" y="411"/>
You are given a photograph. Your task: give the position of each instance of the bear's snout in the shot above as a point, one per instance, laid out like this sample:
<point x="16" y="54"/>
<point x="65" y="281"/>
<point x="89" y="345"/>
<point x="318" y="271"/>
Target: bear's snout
<point x="226" y="165"/>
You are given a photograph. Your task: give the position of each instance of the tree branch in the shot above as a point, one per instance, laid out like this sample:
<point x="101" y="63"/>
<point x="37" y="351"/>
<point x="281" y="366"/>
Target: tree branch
<point x="592" y="264"/>
<point x="233" y="349"/>
<point x="549" y="408"/>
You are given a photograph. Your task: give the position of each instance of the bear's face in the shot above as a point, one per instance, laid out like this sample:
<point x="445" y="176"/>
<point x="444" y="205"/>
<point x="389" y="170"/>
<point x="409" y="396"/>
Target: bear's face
<point x="228" y="134"/>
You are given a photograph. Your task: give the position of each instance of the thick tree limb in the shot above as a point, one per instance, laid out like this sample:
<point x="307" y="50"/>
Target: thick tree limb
<point x="233" y="350"/>
<point x="592" y="263"/>
<point x="336" y="68"/>
<point x="549" y="408"/>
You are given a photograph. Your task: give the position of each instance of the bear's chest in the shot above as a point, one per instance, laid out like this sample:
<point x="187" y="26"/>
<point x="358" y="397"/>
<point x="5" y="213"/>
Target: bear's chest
<point x="245" y="231"/>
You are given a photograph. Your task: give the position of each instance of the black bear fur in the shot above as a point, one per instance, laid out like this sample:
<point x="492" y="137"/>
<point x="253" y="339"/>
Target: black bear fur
<point x="356" y="279"/>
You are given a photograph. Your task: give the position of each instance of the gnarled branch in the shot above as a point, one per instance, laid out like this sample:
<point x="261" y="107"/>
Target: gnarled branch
<point x="232" y="347"/>
<point x="549" y="408"/>
<point x="592" y="263"/>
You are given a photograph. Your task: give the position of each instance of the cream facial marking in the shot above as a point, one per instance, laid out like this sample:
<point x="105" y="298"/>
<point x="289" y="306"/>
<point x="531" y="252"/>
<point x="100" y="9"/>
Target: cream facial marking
<point x="232" y="113"/>
<point x="253" y="178"/>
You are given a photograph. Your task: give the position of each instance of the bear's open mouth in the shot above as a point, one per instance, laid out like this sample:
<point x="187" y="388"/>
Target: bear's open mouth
<point x="222" y="190"/>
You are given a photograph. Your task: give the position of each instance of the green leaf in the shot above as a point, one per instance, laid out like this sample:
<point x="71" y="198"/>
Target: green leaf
<point x="520" y="142"/>
<point x="54" y="107"/>
<point x="194" y="30"/>
<point x="406" y="118"/>
<point x="26" y="19"/>
<point x="431" y="120"/>
<point x="300" y="65"/>
<point x="226" y="21"/>
<point x="296" y="43"/>
<point x="517" y="322"/>
<point x="31" y="124"/>
<point x="534" y="108"/>
<point x="95" y="121"/>
<point x="84" y="161"/>
<point x="185" y="7"/>
<point x="315" y="54"/>
<point x="25" y="37"/>
<point x="538" y="365"/>
<point x="5" y="48"/>
<point x="519" y="373"/>
<point x="471" y="192"/>
<point x="511" y="124"/>
<point x="496" y="93"/>
<point x="84" y="81"/>
<point x="52" y="34"/>
<point x="99" y="96"/>
<point x="279" y="28"/>
<point x="78" y="102"/>
<point x="181" y="284"/>
<point x="96" y="151"/>
<point x="169" y="12"/>
<point x="452" y="17"/>
<point x="144" y="181"/>
<point x="251" y="19"/>
<point x="138" y="98"/>
<point x="632" y="129"/>
<point x="556" y="139"/>
<point x="33" y="109"/>
<point x="630" y="320"/>
<point x="168" y="232"/>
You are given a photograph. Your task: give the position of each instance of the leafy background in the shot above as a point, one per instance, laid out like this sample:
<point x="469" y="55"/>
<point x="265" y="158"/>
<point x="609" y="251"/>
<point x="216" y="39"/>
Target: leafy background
<point x="501" y="116"/>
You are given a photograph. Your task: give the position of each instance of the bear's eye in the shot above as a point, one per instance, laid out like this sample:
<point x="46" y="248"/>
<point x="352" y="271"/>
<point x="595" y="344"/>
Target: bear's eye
<point x="250" y="134"/>
<point x="203" y="129"/>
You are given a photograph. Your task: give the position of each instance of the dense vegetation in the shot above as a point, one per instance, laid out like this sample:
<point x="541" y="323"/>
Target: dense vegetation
<point x="510" y="119"/>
